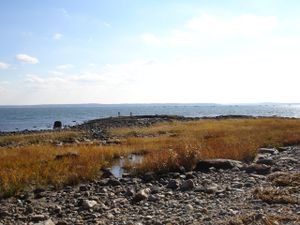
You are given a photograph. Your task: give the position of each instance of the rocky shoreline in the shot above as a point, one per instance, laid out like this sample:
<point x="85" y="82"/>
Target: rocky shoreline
<point x="216" y="192"/>
<point x="265" y="191"/>
<point x="103" y="124"/>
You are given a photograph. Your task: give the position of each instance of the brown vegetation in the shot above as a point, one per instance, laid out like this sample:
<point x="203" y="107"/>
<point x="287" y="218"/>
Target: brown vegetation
<point x="38" y="138"/>
<point x="285" y="189"/>
<point x="263" y="219"/>
<point x="168" y="145"/>
<point x="189" y="141"/>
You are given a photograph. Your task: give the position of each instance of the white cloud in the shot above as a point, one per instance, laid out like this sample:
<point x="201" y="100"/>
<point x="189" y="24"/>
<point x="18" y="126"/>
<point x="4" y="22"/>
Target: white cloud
<point x="4" y="66"/>
<point x="55" y="72"/>
<point x="27" y="59"/>
<point x="65" y="66"/>
<point x="60" y="79"/>
<point x="208" y="29"/>
<point x="244" y="77"/>
<point x="150" y="38"/>
<point x="57" y="36"/>
<point x="41" y="82"/>
<point x="240" y="25"/>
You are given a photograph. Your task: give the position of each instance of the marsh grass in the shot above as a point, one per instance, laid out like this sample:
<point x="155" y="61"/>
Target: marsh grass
<point x="33" y="163"/>
<point x="38" y="137"/>
<point x="204" y="139"/>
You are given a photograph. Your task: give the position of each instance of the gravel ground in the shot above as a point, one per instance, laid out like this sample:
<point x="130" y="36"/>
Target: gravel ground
<point x="241" y="194"/>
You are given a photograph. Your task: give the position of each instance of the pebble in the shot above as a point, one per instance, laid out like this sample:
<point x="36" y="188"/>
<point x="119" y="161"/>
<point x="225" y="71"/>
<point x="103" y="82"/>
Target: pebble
<point x="196" y="197"/>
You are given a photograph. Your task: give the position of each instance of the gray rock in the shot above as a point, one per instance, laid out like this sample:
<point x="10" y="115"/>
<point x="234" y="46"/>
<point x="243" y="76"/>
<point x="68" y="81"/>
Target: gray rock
<point x="38" y="218"/>
<point x="57" y="125"/>
<point x="288" y="160"/>
<point x="271" y="151"/>
<point x="113" y="182"/>
<point x="224" y="164"/>
<point x="29" y="209"/>
<point x="106" y="173"/>
<point x="283" y="149"/>
<point x="258" y="168"/>
<point x="83" y="188"/>
<point x="110" y="216"/>
<point x="189" y="175"/>
<point x="129" y="192"/>
<point x="141" y="195"/>
<point x="187" y="185"/>
<point x="189" y="207"/>
<point x="149" y="176"/>
<point x="61" y="222"/>
<point x="173" y="184"/>
<point x="88" y="204"/>
<point x="211" y="189"/>
<point x="265" y="161"/>
<point x="47" y="222"/>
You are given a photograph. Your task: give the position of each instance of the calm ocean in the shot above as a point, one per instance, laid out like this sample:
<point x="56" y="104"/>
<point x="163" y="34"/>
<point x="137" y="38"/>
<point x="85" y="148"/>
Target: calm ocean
<point x="42" y="117"/>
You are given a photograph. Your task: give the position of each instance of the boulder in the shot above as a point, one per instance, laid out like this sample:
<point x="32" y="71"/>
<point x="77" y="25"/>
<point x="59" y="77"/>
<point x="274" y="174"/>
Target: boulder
<point x="187" y="185"/>
<point x="173" y="184"/>
<point x="87" y="204"/>
<point x="261" y="169"/>
<point x="57" y="125"/>
<point x="141" y="195"/>
<point x="224" y="164"/>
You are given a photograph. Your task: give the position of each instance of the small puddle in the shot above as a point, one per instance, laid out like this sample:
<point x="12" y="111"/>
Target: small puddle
<point x="117" y="167"/>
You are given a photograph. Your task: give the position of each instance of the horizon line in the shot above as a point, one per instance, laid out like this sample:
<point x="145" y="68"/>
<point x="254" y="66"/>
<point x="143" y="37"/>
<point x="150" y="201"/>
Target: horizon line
<point x="154" y="103"/>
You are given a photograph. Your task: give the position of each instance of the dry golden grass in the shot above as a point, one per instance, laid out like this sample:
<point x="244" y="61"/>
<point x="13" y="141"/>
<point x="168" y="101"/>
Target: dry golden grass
<point x="274" y="195"/>
<point x="284" y="179"/>
<point x="37" y="165"/>
<point x="38" y="137"/>
<point x="285" y="189"/>
<point x="30" y="164"/>
<point x="232" y="138"/>
<point x="263" y="219"/>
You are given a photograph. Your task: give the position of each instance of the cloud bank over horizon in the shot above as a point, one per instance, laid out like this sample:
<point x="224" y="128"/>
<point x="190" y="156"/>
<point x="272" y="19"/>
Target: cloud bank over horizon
<point x="192" y="52"/>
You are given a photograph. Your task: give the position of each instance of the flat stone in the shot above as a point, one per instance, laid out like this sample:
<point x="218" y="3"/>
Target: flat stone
<point x="271" y="151"/>
<point x="38" y="218"/>
<point x="224" y="164"/>
<point x="258" y="168"/>
<point x="47" y="222"/>
<point x="265" y="161"/>
<point x="87" y="204"/>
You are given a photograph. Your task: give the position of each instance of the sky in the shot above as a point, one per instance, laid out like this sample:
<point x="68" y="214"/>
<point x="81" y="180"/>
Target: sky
<point x="140" y="51"/>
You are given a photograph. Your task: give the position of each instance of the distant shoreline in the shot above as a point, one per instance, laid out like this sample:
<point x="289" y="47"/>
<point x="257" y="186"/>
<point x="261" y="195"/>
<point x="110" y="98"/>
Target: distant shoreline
<point x="129" y="121"/>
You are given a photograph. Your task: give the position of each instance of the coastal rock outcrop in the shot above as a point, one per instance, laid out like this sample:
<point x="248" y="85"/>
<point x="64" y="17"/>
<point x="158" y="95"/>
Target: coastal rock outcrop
<point x="57" y="125"/>
<point x="224" y="164"/>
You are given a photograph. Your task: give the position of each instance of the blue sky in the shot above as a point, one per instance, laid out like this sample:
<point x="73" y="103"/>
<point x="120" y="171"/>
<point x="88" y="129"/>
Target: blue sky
<point x="138" y="51"/>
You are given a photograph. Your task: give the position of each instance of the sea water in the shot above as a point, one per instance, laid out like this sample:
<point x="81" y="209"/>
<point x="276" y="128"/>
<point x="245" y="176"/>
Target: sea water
<point x="13" y="118"/>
